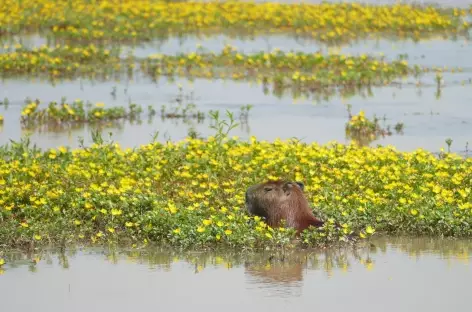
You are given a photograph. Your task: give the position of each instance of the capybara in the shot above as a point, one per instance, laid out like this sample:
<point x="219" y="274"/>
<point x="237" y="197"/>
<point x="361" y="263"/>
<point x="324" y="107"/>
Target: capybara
<point x="277" y="200"/>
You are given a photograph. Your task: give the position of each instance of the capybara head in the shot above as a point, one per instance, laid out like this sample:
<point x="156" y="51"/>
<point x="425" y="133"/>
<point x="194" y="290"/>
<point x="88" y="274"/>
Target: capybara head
<point x="277" y="200"/>
<point x="264" y="197"/>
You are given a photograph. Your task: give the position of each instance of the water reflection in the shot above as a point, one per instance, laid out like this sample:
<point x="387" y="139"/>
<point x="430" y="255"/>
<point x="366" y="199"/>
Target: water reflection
<point x="433" y="51"/>
<point x="281" y="267"/>
<point x="120" y="279"/>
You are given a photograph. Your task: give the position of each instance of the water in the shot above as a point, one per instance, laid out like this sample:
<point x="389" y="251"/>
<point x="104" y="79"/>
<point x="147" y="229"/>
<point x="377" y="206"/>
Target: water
<point x="421" y="274"/>
<point x="428" y="120"/>
<point x="431" y="52"/>
<point x="429" y="117"/>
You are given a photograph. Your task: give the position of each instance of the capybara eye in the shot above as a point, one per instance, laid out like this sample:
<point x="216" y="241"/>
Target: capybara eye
<point x="267" y="188"/>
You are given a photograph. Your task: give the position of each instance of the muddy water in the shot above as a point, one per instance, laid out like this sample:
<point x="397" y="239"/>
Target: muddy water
<point x="420" y="274"/>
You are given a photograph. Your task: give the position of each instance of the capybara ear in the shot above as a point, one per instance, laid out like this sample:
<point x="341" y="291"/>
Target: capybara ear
<point x="287" y="187"/>
<point x="301" y="185"/>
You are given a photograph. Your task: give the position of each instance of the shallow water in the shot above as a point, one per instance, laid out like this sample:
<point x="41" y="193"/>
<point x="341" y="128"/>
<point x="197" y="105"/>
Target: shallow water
<point x="429" y="117"/>
<point x="421" y="274"/>
<point x="428" y="120"/>
<point x="431" y="52"/>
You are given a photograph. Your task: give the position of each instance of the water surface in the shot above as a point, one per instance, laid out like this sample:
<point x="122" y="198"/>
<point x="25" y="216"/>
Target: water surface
<point x="421" y="274"/>
<point x="428" y="119"/>
<point x="431" y="52"/>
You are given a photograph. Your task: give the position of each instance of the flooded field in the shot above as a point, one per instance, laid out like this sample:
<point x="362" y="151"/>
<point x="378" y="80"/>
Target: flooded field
<point x="430" y="110"/>
<point x="428" y="120"/>
<point x="314" y="73"/>
<point x="422" y="274"/>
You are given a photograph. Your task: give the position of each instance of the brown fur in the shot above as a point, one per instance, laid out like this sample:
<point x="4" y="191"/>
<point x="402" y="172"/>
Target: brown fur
<point x="277" y="200"/>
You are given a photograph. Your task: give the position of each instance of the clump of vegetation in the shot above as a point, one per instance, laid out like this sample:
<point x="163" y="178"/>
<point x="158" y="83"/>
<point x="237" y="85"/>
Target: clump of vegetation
<point x="60" y="61"/>
<point x="78" y="112"/>
<point x="302" y="70"/>
<point x="363" y="130"/>
<point x="128" y="20"/>
<point x="191" y="193"/>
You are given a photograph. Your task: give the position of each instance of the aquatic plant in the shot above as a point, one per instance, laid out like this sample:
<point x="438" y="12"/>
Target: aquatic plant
<point x="293" y="69"/>
<point x="77" y="112"/>
<point x="191" y="193"/>
<point x="363" y="131"/>
<point x="120" y="20"/>
<point x="183" y="107"/>
<point x="61" y="60"/>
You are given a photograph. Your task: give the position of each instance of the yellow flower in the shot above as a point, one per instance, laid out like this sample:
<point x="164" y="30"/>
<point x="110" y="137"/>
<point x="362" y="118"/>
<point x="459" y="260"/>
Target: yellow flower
<point x="116" y="212"/>
<point x="2" y="261"/>
<point x="37" y="237"/>
<point x="228" y="232"/>
<point x="201" y="229"/>
<point x="177" y="231"/>
<point x="129" y="224"/>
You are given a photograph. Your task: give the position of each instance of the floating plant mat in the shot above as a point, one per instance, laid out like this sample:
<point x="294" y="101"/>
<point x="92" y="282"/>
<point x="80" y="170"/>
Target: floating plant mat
<point x="125" y="20"/>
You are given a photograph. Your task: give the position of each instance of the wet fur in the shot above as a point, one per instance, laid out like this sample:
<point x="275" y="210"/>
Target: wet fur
<point x="277" y="200"/>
